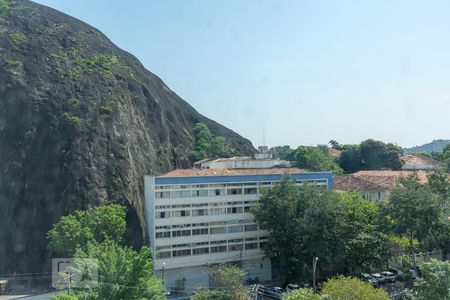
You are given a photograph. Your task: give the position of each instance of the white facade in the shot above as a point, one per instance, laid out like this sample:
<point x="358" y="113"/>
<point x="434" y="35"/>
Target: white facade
<point x="196" y="221"/>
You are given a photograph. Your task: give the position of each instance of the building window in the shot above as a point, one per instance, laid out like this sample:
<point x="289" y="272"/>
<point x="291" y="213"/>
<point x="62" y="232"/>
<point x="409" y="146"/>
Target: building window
<point x="250" y="246"/>
<point x="237" y="247"/>
<point x="162" y="235"/>
<point x="160" y="195"/>
<point x="262" y="245"/>
<point x="218" y="230"/>
<point x="181" y="213"/>
<point x="217" y="249"/>
<point x="218" y="192"/>
<point x="199" y="212"/>
<point x="181" y="233"/>
<point x="251" y="227"/>
<point x="235" y="210"/>
<point x="162" y="214"/>
<point x="163" y="254"/>
<point x="234" y="229"/>
<point x="199" y="193"/>
<point x="217" y="211"/>
<point x="234" y="191"/>
<point x="200" y="251"/>
<point x="246" y="209"/>
<point x="250" y="191"/>
<point x="185" y="252"/>
<point x="200" y="231"/>
<point x="181" y="194"/>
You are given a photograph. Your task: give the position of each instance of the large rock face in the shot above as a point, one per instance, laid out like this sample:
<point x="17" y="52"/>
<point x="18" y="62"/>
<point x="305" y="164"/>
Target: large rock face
<point x="81" y="123"/>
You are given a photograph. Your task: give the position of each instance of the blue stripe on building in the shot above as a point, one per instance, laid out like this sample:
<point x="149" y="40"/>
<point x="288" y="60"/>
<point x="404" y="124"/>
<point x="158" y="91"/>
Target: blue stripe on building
<point x="244" y="178"/>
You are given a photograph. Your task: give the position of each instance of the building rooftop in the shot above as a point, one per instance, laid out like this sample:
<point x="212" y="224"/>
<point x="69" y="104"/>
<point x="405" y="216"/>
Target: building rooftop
<point x="374" y="180"/>
<point x="231" y="172"/>
<point x="417" y="160"/>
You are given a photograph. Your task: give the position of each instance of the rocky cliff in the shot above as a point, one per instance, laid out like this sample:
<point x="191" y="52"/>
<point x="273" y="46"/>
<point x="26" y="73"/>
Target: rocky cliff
<point x="81" y="122"/>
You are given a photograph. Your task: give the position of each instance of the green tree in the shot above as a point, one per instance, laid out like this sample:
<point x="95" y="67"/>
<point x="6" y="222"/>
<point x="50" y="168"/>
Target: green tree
<point x="206" y="145"/>
<point x="202" y="141"/>
<point x="229" y="280"/>
<point x="335" y="144"/>
<point x="351" y="159"/>
<point x="439" y="183"/>
<point x="306" y="222"/>
<point x="123" y="273"/>
<point x="301" y="294"/>
<point x="97" y="233"/>
<point x="95" y="224"/>
<point x="364" y="244"/>
<point x="434" y="284"/>
<point x="413" y="211"/>
<point x="378" y="155"/>
<point x="340" y="288"/>
<point x="220" y="147"/>
<point x="316" y="159"/>
<point x="444" y="156"/>
<point x="282" y="152"/>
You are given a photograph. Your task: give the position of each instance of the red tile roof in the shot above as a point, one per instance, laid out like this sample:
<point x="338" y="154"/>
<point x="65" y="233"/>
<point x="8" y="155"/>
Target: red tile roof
<point x="374" y="180"/>
<point x="419" y="160"/>
<point x="222" y="172"/>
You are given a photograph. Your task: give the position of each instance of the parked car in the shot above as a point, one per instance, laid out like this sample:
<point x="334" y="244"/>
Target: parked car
<point x="390" y="277"/>
<point x="401" y="275"/>
<point x="381" y="279"/>
<point x="367" y="278"/>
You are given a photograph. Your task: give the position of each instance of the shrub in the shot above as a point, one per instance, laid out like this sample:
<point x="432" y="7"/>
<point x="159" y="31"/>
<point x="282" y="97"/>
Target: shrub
<point x="12" y="63"/>
<point x="4" y="6"/>
<point x="17" y="37"/>
<point x="105" y="109"/>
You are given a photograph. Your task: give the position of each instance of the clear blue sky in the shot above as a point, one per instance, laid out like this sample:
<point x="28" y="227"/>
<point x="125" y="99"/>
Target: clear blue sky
<point x="309" y="71"/>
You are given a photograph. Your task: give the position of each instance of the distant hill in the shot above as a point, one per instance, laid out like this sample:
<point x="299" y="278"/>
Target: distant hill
<point x="434" y="146"/>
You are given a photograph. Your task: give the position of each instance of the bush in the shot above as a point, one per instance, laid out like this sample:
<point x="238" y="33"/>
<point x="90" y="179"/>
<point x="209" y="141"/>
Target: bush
<point x="342" y="287"/>
<point x="105" y="109"/>
<point x="64" y="297"/>
<point x="17" y="37"/>
<point x="4" y="6"/>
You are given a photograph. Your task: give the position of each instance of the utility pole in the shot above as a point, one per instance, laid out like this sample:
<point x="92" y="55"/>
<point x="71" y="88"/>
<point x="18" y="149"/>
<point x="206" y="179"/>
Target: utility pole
<point x="164" y="276"/>
<point x="241" y="257"/>
<point x="315" y="259"/>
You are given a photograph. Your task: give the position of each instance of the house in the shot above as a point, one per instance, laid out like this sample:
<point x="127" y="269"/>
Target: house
<point x="201" y="217"/>
<point x="374" y="185"/>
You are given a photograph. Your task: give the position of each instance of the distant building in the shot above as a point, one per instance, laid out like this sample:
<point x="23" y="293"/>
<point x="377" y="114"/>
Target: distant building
<point x="201" y="217"/>
<point x="374" y="185"/>
<point x="417" y="161"/>
<point x="263" y="160"/>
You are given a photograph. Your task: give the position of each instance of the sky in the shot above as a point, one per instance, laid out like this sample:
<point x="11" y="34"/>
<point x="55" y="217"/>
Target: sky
<point x="305" y="71"/>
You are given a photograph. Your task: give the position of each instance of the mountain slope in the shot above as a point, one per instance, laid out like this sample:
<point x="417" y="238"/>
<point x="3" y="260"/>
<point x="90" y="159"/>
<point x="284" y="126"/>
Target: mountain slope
<point x="434" y="146"/>
<point x="81" y="123"/>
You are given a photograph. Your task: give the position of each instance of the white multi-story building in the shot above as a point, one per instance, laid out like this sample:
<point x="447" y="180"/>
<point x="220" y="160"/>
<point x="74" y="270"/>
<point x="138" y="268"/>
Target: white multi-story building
<point x="197" y="218"/>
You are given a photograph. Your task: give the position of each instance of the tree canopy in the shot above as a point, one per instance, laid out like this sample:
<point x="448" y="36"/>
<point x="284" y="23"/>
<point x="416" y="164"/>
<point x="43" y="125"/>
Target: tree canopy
<point x="206" y="145"/>
<point x="96" y="224"/>
<point x="316" y="159"/>
<point x="377" y="155"/>
<point x="339" y="228"/>
<point x="97" y="233"/>
<point x="434" y="284"/>
<point x="351" y="288"/>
